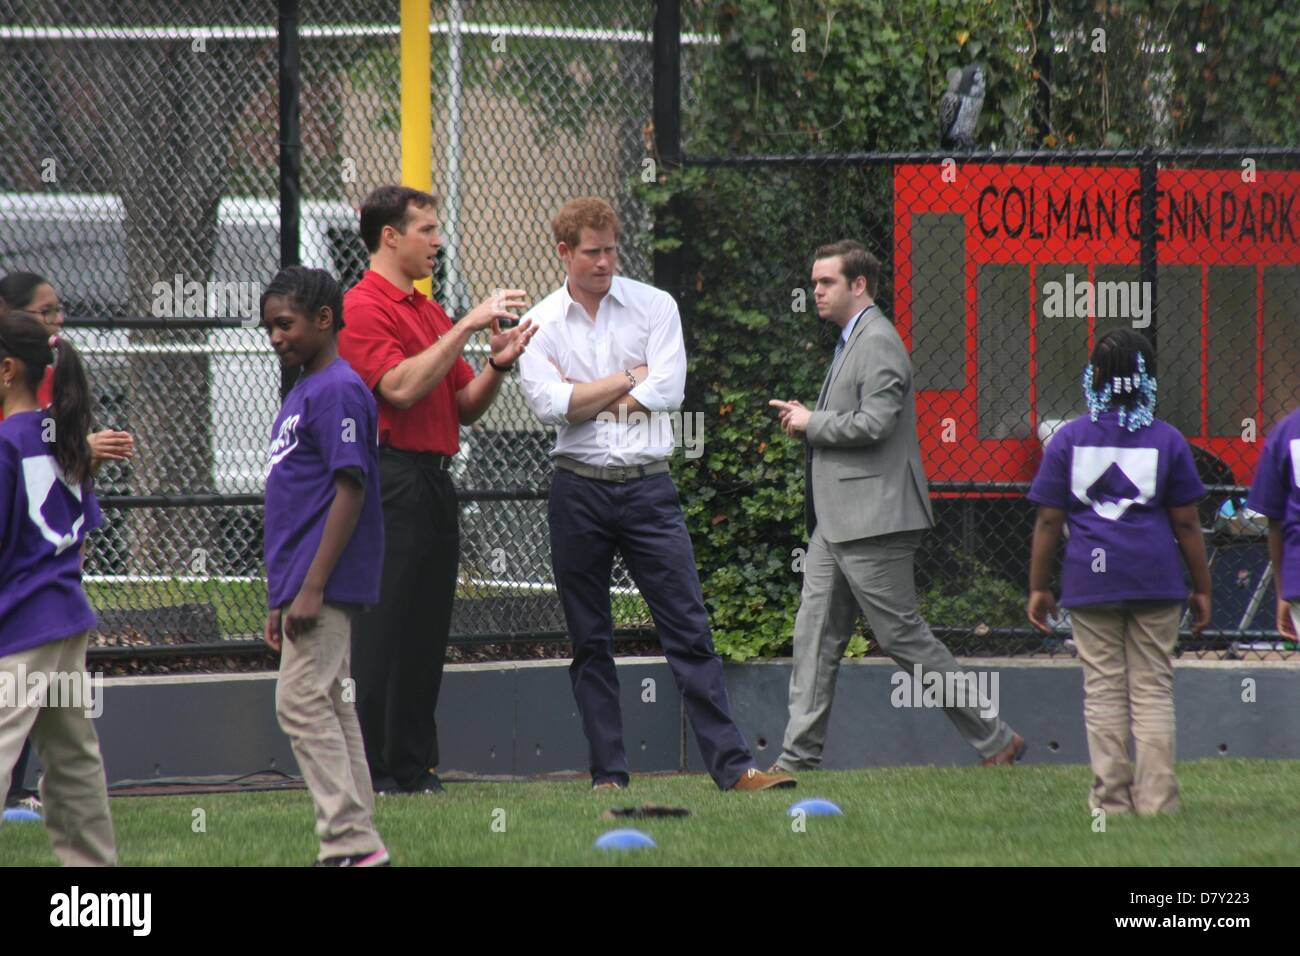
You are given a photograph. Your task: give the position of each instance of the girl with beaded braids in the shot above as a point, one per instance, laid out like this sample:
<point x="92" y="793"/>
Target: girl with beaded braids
<point x="1121" y="376"/>
<point x="1126" y="485"/>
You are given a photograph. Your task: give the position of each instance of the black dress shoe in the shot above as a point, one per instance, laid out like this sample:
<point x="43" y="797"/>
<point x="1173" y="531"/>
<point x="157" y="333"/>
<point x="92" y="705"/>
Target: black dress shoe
<point x="428" y="782"/>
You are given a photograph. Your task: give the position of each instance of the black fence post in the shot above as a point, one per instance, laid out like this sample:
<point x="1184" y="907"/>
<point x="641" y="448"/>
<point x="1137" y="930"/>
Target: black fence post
<point x="668" y="126"/>
<point x="1147" y="255"/>
<point x="290" y="149"/>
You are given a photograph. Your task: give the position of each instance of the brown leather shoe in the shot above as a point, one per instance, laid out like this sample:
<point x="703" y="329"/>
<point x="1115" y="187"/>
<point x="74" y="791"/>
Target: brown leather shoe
<point x="755" y="779"/>
<point x="1008" y="755"/>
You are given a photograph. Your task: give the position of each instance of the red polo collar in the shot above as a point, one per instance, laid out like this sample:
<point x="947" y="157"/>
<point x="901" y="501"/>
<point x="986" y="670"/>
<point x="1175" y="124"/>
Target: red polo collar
<point x="391" y="291"/>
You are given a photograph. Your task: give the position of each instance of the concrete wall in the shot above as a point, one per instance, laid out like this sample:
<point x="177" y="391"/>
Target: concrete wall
<point x="519" y="718"/>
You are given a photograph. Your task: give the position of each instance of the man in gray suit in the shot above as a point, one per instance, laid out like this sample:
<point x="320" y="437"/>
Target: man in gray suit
<point x="867" y="507"/>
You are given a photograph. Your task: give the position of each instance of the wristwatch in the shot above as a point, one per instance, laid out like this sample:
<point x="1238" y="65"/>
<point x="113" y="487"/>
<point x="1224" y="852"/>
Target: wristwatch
<point x="630" y="377"/>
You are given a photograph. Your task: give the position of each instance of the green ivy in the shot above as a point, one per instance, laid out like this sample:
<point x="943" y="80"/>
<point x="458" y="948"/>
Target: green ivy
<point x="869" y="78"/>
<point x="1175" y="72"/>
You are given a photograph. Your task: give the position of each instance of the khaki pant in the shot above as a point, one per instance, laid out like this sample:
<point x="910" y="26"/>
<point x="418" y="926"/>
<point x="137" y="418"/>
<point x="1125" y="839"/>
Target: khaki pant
<point x="73" y="788"/>
<point x="876" y="575"/>
<point x="316" y="710"/>
<point x="1128" y="683"/>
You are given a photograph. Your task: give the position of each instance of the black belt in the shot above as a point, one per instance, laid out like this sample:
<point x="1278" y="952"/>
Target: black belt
<point x="425" y="459"/>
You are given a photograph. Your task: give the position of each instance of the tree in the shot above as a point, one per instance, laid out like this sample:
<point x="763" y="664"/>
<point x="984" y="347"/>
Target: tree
<point x="155" y="115"/>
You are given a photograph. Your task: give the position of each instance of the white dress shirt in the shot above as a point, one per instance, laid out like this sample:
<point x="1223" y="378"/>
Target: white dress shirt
<point x="635" y="324"/>
<point x="848" y="329"/>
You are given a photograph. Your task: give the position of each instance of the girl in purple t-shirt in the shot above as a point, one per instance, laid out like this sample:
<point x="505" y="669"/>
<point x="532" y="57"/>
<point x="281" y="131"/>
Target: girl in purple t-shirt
<point x="1276" y="494"/>
<point x="1126" y="484"/>
<point x="324" y="549"/>
<point x="47" y="507"/>
<point x="34" y="295"/>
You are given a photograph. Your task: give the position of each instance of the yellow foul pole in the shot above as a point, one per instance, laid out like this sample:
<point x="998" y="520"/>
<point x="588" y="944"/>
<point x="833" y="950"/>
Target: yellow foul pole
<point x="417" y="103"/>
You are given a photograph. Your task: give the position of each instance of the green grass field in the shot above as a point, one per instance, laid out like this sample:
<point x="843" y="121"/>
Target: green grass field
<point x="1235" y="813"/>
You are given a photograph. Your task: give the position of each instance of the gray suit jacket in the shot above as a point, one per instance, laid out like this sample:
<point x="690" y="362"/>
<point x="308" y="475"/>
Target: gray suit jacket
<point x="863" y="461"/>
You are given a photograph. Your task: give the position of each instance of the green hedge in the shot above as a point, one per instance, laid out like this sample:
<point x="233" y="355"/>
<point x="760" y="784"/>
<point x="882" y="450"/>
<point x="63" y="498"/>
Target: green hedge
<point x="869" y="78"/>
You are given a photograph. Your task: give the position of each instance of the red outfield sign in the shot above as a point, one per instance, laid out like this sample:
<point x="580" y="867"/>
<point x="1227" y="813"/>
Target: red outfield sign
<point x="1005" y="274"/>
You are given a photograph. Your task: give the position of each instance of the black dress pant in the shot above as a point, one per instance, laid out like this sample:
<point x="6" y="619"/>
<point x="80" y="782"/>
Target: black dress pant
<point x="16" y="789"/>
<point x="399" y="645"/>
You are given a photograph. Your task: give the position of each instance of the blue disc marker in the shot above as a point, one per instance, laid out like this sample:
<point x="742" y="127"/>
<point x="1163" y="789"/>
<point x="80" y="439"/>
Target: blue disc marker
<point x="624" y="840"/>
<point x="816" y="807"/>
<point x="21" y="814"/>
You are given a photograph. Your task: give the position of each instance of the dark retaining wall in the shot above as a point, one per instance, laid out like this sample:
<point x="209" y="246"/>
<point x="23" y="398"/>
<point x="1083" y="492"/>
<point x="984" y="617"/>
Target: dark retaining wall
<point x="518" y="718"/>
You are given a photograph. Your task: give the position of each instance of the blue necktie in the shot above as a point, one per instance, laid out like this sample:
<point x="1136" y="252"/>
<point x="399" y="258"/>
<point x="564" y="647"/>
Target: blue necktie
<point x="835" y="360"/>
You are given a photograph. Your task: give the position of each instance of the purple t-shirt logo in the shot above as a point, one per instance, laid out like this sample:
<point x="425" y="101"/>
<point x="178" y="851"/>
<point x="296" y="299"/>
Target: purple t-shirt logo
<point x="48" y="510"/>
<point x="1111" y="480"/>
<point x="286" y="440"/>
<point x="43" y="521"/>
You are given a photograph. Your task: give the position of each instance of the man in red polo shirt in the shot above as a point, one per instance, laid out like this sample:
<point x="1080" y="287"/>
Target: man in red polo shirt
<point x="408" y="352"/>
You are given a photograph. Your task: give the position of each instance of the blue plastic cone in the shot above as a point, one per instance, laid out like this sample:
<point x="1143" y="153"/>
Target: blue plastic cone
<point x="815" y="807"/>
<point x="624" y="840"/>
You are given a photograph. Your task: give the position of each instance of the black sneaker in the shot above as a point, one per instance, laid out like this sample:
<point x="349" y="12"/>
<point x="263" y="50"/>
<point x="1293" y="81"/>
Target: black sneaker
<point x="378" y="858"/>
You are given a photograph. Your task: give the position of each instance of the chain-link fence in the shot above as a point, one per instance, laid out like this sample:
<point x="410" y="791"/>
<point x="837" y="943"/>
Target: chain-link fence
<point x="139" y="168"/>
<point x="1000" y="273"/>
<point x="140" y="165"/>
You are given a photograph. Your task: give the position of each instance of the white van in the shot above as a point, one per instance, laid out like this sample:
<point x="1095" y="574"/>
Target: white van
<point x="78" y="241"/>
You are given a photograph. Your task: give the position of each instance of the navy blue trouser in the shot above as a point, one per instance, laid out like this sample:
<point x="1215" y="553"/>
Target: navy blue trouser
<point x="643" y="519"/>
